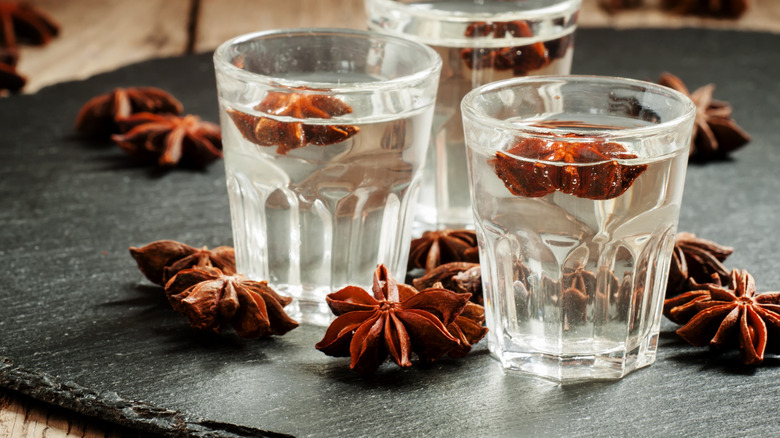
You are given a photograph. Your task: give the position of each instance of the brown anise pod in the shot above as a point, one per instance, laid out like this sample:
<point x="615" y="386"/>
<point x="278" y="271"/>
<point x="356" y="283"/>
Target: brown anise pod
<point x="715" y="133"/>
<point x="520" y="59"/>
<point x="100" y="116"/>
<point x="159" y="261"/>
<point x="524" y="172"/>
<point x="10" y="79"/>
<point x="23" y="22"/>
<point x="468" y="329"/>
<point x="436" y="248"/>
<point x="718" y="315"/>
<point x="168" y="140"/>
<point x="460" y="277"/>
<point x="715" y="8"/>
<point x="212" y="300"/>
<point x="697" y="259"/>
<point x="265" y="131"/>
<point x="397" y="321"/>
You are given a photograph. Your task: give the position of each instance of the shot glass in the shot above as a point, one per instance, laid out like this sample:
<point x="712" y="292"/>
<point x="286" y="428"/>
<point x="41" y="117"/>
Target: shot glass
<point x="479" y="42"/>
<point x="325" y="133"/>
<point x="577" y="183"/>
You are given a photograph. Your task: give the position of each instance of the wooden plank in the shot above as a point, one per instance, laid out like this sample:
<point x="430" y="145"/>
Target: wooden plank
<point x="221" y="20"/>
<point x="101" y="35"/>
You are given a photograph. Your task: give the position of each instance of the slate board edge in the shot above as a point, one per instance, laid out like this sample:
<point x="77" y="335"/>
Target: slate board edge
<point x="111" y="407"/>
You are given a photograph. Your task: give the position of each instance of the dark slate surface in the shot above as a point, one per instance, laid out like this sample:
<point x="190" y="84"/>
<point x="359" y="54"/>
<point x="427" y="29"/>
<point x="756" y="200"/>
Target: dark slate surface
<point x="81" y="328"/>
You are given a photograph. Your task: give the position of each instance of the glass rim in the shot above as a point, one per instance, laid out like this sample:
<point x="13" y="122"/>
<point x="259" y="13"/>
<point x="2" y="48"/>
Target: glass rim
<point x="223" y="64"/>
<point x="557" y="7"/>
<point x="470" y="110"/>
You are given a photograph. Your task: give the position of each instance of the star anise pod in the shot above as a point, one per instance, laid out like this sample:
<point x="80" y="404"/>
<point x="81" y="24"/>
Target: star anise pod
<point x="468" y="328"/>
<point x="10" y="79"/>
<point x="460" y="277"/>
<point x="697" y="259"/>
<point x="169" y="140"/>
<point x="23" y="22"/>
<point x="722" y="315"/>
<point x="520" y="59"/>
<point x="435" y="248"/>
<point x="212" y="300"/>
<point x="265" y="131"/>
<point x="605" y="179"/>
<point x="100" y="116"/>
<point x="715" y="133"/>
<point x="159" y="261"/>
<point x="396" y="321"/>
<point x="716" y="8"/>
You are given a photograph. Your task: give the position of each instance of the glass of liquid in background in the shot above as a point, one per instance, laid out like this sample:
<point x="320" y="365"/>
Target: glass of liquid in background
<point x="577" y="184"/>
<point x="325" y="133"/>
<point x="479" y="41"/>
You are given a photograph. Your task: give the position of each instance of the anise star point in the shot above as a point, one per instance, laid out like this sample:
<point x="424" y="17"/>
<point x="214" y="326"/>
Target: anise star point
<point x="435" y="248"/>
<point x="22" y="22"/>
<point x="102" y="115"/>
<point x="159" y="261"/>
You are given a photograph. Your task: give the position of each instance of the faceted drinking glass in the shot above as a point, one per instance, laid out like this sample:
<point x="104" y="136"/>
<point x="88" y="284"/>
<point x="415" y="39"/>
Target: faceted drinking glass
<point x="325" y="133"/>
<point x="577" y="184"/>
<point x="479" y="42"/>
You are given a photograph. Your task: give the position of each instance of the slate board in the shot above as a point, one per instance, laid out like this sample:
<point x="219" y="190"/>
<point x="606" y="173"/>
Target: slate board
<point x="81" y="328"/>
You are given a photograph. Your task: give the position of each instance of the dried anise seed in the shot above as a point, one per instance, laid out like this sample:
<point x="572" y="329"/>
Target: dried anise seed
<point x="212" y="300"/>
<point x="719" y="315"/>
<point x="10" y="79"/>
<point x="100" y="116"/>
<point x="265" y="131"/>
<point x="715" y="133"/>
<point x="26" y="23"/>
<point x="396" y="321"/>
<point x="520" y="59"/>
<point x="169" y="140"/>
<point x="435" y="248"/>
<point x="605" y="179"/>
<point x="161" y="260"/>
<point x="459" y="277"/>
<point x="716" y="8"/>
<point x="697" y="259"/>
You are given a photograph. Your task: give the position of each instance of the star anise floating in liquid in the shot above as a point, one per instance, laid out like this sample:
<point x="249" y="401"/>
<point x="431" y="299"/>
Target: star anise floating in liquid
<point x="435" y="248"/>
<point x="212" y="300"/>
<point x="101" y="115"/>
<point x="169" y="140"/>
<point x="520" y="59"/>
<point x="535" y="167"/>
<point x="697" y="259"/>
<point x="267" y="131"/>
<point x="722" y="315"/>
<point x="398" y="321"/>
<point x="161" y="260"/>
<point x="715" y="133"/>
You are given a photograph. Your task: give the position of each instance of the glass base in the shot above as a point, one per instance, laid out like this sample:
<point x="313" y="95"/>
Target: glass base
<point x="310" y="312"/>
<point x="572" y="368"/>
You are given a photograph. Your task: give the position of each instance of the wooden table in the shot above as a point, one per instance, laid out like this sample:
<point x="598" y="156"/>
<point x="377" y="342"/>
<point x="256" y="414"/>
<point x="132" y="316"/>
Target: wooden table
<point x="101" y="35"/>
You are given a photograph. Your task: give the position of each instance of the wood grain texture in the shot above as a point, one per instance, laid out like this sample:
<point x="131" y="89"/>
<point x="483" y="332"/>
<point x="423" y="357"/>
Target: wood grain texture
<point x="100" y="35"/>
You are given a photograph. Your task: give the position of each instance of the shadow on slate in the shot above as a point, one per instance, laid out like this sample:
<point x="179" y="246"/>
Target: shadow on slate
<point x="81" y="328"/>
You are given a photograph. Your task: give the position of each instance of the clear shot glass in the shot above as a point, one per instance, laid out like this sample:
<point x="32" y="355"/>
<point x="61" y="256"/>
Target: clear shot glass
<point x="479" y="42"/>
<point x="577" y="183"/>
<point x="325" y="133"/>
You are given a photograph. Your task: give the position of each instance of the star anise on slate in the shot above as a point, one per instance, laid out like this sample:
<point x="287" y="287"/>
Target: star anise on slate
<point x="697" y="259"/>
<point x="435" y="248"/>
<point x="212" y="300"/>
<point x="605" y="179"/>
<point x="396" y="321"/>
<point x="265" y="131"/>
<point x="467" y="328"/>
<point x="715" y="133"/>
<point x="100" y="116"/>
<point x="716" y="8"/>
<point x="10" y="79"/>
<point x="161" y="260"/>
<point x="25" y="23"/>
<point x="169" y="140"/>
<point x="721" y="315"/>
<point x="459" y="277"/>
<point x="520" y="59"/>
